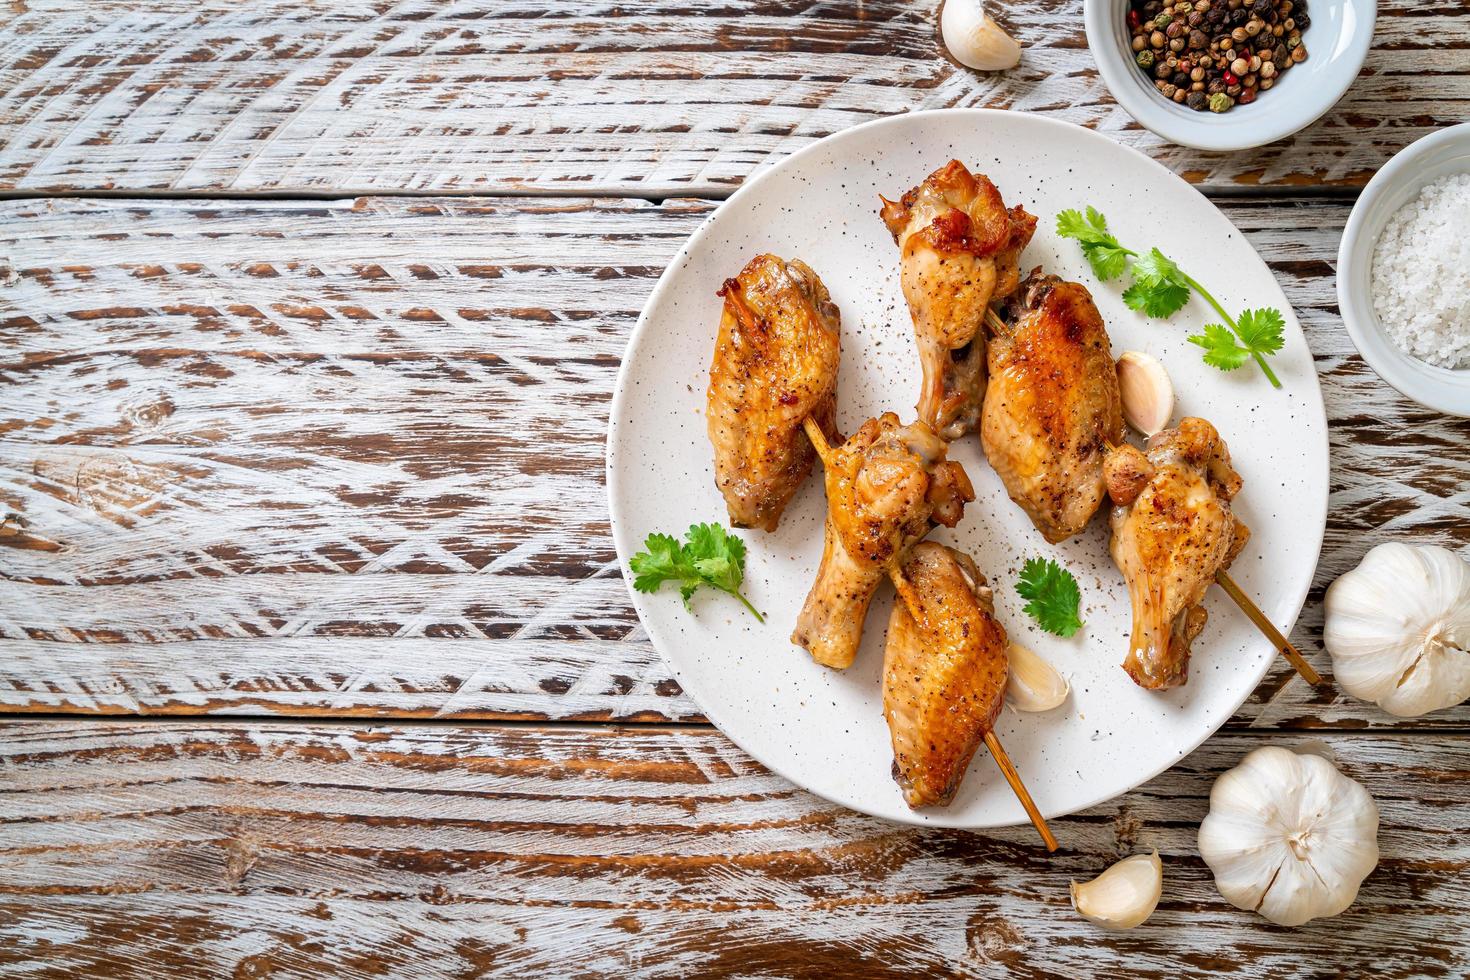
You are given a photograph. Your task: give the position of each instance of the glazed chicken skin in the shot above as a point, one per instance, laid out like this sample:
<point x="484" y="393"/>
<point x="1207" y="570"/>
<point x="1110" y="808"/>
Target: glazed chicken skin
<point x="775" y="364"/>
<point x="1173" y="529"/>
<point x="887" y="487"/>
<point x="959" y="250"/>
<point x="944" y="673"/>
<point x="1052" y="405"/>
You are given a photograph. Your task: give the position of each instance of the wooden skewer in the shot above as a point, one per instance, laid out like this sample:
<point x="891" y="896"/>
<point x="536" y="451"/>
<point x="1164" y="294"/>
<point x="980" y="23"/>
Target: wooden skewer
<point x="1267" y="627"/>
<point x="910" y="599"/>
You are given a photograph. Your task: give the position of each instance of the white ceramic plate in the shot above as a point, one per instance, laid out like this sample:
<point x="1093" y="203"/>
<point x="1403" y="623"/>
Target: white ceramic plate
<point x="824" y="730"/>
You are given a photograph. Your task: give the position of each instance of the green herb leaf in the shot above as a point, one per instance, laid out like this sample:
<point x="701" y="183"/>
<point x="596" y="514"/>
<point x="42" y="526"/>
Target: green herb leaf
<point x="1054" y="600"/>
<point x="1160" y="288"/>
<point x="1261" y="330"/>
<point x="1102" y="251"/>
<point x="710" y="555"/>
<point x="1221" y="350"/>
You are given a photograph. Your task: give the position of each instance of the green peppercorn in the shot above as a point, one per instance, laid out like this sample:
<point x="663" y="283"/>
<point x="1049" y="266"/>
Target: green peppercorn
<point x="1162" y="20"/>
<point x="1145" y="59"/>
<point x="1220" y="102"/>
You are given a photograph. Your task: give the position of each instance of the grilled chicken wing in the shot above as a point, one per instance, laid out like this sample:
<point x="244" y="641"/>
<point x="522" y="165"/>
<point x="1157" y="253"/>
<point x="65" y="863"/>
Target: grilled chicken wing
<point x="1052" y="405"/>
<point x="959" y="249"/>
<point x="775" y="364"/>
<point x="944" y="674"/>
<point x="1173" y="529"/>
<point x="887" y="487"/>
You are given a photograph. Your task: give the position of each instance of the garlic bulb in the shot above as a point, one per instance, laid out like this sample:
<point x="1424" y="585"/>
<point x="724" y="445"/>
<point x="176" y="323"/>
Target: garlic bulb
<point x="1032" y="684"/>
<point x="1289" y="836"/>
<point x="1398" y="629"/>
<point x="974" y="40"/>
<point x="1147" y="392"/>
<point x="1124" y="895"/>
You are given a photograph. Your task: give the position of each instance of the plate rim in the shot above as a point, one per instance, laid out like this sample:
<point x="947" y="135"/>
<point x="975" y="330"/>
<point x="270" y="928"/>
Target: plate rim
<point x="933" y="817"/>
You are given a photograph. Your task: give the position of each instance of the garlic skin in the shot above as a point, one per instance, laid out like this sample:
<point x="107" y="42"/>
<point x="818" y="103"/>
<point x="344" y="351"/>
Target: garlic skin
<point x="1032" y="684"/>
<point x="1124" y="895"/>
<point x="974" y="40"/>
<point x="1398" y="629"/>
<point x="1147" y="392"/>
<point x="1289" y="836"/>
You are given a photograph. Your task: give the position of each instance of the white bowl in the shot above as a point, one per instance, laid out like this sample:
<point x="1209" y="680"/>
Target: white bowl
<point x="1417" y="165"/>
<point x="1337" y="42"/>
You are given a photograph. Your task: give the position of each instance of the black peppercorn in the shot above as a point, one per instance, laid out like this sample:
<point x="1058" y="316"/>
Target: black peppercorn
<point x="1180" y="79"/>
<point x="1238" y="17"/>
<point x="1263" y="8"/>
<point x="1198" y="101"/>
<point x="1303" y="21"/>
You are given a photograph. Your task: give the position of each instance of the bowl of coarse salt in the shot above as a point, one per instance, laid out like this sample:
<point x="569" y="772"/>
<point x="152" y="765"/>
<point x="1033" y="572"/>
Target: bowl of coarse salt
<point x="1403" y="271"/>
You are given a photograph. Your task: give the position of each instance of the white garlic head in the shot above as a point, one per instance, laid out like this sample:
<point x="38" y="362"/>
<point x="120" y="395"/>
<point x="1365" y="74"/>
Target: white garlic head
<point x="974" y="40"/>
<point x="1398" y="629"/>
<point x="1289" y="836"/>
<point x="1124" y="895"/>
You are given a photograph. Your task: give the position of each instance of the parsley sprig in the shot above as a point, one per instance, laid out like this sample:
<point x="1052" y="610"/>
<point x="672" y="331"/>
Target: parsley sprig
<point x="1054" y="600"/>
<point x="1160" y="289"/>
<point x="710" y="555"/>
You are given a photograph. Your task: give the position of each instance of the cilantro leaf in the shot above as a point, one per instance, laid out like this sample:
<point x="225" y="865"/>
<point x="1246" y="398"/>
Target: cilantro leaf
<point x="1160" y="288"/>
<point x="710" y="555"/>
<point x="1099" y="247"/>
<point x="1261" y="330"/>
<point x="1221" y="350"/>
<point x="1053" y="598"/>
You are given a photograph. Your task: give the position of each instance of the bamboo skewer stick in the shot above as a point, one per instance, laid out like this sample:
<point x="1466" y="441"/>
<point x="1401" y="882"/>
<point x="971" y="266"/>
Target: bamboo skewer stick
<point x="1267" y="627"/>
<point x="1247" y="606"/>
<point x="910" y="599"/>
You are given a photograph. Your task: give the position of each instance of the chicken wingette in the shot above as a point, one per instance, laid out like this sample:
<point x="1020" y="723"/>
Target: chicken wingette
<point x="775" y="364"/>
<point x="1052" y="405"/>
<point x="959" y="250"/>
<point x="887" y="487"/>
<point x="944" y="673"/>
<point x="1173" y="529"/>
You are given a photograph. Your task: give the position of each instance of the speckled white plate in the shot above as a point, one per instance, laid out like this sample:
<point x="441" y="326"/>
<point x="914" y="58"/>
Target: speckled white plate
<point x="824" y="730"/>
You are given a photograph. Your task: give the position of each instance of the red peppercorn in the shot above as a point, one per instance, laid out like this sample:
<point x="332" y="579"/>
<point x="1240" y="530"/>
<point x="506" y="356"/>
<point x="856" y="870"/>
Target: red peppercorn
<point x="1134" y="19"/>
<point x="1247" y="96"/>
<point x="1230" y="78"/>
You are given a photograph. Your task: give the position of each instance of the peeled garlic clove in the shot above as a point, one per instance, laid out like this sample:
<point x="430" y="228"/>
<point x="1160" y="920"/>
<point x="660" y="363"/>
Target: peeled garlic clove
<point x="1148" y="394"/>
<point x="1124" y="895"/>
<point x="974" y="40"/>
<point x="1032" y="684"/>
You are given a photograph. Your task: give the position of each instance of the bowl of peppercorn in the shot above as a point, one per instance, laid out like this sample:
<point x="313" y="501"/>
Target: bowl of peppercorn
<point x="1229" y="74"/>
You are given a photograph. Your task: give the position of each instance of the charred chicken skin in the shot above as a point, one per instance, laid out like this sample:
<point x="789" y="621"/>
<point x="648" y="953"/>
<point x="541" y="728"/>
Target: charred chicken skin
<point x="959" y="250"/>
<point x="944" y="673"/>
<point x="1173" y="529"/>
<point x="887" y="487"/>
<point x="775" y="364"/>
<point x="1052" y="405"/>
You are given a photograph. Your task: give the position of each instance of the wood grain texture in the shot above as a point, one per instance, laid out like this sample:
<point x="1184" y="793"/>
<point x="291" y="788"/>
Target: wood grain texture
<point x="643" y="97"/>
<point x="346" y="458"/>
<point x="360" y="851"/>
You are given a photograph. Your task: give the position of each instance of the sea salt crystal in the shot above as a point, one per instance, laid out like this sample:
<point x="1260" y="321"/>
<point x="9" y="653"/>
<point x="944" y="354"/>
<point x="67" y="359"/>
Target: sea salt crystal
<point x="1421" y="274"/>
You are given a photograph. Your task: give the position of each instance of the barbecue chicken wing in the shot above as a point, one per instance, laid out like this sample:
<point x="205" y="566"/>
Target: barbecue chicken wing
<point x="887" y="487"/>
<point x="1173" y="529"/>
<point x="1052" y="405"/>
<point x="775" y="364"/>
<point x="944" y="673"/>
<point x="959" y="249"/>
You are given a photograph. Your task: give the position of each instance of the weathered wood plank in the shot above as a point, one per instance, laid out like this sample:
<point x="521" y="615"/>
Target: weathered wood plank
<point x="445" y="851"/>
<point x="646" y="97"/>
<point x="347" y="457"/>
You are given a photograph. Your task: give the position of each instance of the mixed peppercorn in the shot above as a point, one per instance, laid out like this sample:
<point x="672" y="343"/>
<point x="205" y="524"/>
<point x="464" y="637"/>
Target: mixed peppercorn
<point x="1216" y="54"/>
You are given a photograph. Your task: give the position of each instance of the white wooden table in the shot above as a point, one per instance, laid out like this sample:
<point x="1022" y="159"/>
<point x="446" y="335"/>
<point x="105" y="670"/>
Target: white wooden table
<point x="314" y="653"/>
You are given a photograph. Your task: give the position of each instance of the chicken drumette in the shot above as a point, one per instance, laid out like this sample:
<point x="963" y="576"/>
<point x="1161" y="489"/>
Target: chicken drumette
<point x="1052" y="405"/>
<point x="887" y="487"/>
<point x="775" y="364"/>
<point x="944" y="673"/>
<point x="1173" y="529"/>
<point x="959" y="250"/>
